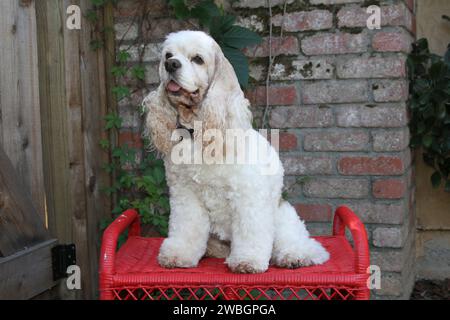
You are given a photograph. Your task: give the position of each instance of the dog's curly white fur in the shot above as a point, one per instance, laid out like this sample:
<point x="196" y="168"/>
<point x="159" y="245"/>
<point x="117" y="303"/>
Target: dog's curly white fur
<point x="234" y="203"/>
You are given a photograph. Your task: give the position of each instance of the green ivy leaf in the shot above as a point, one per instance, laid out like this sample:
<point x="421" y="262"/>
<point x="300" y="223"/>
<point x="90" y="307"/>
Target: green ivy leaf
<point x="436" y="179"/>
<point x="447" y="186"/>
<point x="104" y="144"/>
<point x="113" y="120"/>
<point x="118" y="71"/>
<point x="159" y="175"/>
<point x="205" y="11"/>
<point x="240" y="64"/>
<point x="447" y="56"/>
<point x="180" y="9"/>
<point x="98" y="3"/>
<point x="219" y="25"/>
<point x="92" y="16"/>
<point x="240" y="38"/>
<point x="138" y="72"/>
<point x="121" y="92"/>
<point x="96" y="44"/>
<point x="123" y="56"/>
<point x="427" y="141"/>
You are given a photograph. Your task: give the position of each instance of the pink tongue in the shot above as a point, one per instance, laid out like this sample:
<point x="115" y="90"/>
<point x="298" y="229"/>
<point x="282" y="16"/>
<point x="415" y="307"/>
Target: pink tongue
<point x="173" y="86"/>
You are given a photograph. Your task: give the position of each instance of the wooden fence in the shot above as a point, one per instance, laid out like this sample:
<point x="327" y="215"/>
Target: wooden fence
<point x="53" y="98"/>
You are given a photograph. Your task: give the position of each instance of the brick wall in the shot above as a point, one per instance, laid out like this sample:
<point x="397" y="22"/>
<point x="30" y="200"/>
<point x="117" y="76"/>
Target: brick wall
<point x="338" y="93"/>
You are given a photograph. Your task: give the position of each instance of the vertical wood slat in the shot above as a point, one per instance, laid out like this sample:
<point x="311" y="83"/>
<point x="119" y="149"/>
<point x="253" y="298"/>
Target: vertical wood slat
<point x="78" y="99"/>
<point x="20" y="224"/>
<point x="20" y="124"/>
<point x="54" y="116"/>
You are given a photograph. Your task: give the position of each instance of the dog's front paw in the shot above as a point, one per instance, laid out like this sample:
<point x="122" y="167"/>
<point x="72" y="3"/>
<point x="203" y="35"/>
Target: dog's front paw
<point x="306" y="255"/>
<point x="167" y="261"/>
<point x="174" y="255"/>
<point x="243" y="266"/>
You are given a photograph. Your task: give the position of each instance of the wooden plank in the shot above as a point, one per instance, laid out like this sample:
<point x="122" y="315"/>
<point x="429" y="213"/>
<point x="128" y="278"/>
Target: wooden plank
<point x="78" y="183"/>
<point x="94" y="109"/>
<point x="20" y="223"/>
<point x="20" y="122"/>
<point x="52" y="78"/>
<point x="27" y="273"/>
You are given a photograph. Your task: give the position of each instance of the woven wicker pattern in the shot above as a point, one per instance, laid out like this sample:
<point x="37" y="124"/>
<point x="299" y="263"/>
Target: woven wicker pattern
<point x="133" y="272"/>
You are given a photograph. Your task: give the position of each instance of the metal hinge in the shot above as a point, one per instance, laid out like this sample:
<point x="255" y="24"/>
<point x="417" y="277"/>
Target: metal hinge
<point x="63" y="256"/>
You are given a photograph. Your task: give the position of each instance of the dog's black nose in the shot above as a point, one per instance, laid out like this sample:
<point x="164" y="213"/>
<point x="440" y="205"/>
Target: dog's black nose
<point x="172" y="65"/>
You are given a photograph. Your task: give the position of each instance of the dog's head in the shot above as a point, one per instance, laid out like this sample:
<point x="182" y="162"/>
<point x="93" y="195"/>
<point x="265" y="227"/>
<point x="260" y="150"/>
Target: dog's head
<point x="198" y="83"/>
<point x="187" y="67"/>
<point x="193" y="68"/>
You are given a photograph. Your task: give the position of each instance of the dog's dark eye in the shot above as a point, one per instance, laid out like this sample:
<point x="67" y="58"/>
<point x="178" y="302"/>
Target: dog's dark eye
<point x="168" y="55"/>
<point x="198" y="60"/>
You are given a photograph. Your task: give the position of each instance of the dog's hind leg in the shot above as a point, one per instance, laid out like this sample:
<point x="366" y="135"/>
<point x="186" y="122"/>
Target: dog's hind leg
<point x="293" y="246"/>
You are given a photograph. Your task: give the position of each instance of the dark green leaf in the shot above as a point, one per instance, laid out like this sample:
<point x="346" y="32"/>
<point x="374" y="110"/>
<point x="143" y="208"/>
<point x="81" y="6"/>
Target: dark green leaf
<point x="180" y="9"/>
<point x="447" y="186"/>
<point x="205" y="11"/>
<point x="427" y="141"/>
<point x="447" y="56"/>
<point x="240" y="38"/>
<point x="240" y="64"/>
<point x="436" y="179"/>
<point x="123" y="56"/>
<point x="121" y="92"/>
<point x="219" y="25"/>
<point x="138" y="72"/>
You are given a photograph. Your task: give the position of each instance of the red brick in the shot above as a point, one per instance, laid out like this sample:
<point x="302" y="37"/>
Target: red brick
<point x="288" y="141"/>
<point x="389" y="188"/>
<point x="390" y="90"/>
<point x="382" y="165"/>
<point x="374" y="212"/>
<point x="379" y="116"/>
<point x="391" y="15"/>
<point x="286" y="95"/>
<point x="335" y="43"/>
<point x="306" y="165"/>
<point x="334" y="91"/>
<point x="398" y="41"/>
<point x="372" y="67"/>
<point x="390" y="140"/>
<point x="313" y="212"/>
<point x="348" y="140"/>
<point x="336" y="188"/>
<point x="287" y="45"/>
<point x="301" y="117"/>
<point x="304" y="20"/>
<point x="131" y="139"/>
<point x="252" y="4"/>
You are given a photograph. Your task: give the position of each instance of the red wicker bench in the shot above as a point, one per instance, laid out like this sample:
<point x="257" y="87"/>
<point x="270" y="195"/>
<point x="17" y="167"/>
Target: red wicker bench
<point x="133" y="273"/>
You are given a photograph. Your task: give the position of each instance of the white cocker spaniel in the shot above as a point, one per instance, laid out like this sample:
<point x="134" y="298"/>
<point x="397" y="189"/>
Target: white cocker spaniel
<point x="220" y="208"/>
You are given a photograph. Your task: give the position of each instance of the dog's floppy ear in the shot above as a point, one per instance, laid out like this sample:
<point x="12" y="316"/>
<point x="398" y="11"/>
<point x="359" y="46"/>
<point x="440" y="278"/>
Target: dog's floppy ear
<point x="224" y="106"/>
<point x="160" y="120"/>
